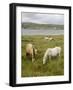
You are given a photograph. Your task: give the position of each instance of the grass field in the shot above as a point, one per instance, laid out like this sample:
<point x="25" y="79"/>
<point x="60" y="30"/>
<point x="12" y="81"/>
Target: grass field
<point x="51" y="68"/>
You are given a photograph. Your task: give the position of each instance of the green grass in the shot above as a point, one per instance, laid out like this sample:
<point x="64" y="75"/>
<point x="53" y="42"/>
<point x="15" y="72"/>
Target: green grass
<point x="51" y="68"/>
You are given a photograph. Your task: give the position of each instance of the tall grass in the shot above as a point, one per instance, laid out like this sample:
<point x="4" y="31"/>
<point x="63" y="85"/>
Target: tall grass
<point x="52" y="67"/>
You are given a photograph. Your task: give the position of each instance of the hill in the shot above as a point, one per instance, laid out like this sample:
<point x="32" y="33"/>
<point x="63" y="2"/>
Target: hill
<point x="28" y="25"/>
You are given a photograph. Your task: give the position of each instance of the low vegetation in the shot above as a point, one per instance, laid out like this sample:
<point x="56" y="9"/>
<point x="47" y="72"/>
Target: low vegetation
<point x="53" y="67"/>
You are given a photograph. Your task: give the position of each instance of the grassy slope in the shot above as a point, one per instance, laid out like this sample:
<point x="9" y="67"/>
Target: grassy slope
<point x="42" y="26"/>
<point x="51" y="68"/>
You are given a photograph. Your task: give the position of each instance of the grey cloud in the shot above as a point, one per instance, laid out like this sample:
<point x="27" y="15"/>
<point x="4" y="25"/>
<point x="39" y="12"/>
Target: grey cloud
<point x="43" y="18"/>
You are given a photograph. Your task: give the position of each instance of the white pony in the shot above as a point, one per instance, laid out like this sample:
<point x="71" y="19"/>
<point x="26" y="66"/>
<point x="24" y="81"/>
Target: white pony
<point x="46" y="38"/>
<point x="51" y="52"/>
<point x="31" y="51"/>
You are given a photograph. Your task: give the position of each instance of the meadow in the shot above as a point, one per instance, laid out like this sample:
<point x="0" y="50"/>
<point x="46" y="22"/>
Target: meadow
<point x="53" y="67"/>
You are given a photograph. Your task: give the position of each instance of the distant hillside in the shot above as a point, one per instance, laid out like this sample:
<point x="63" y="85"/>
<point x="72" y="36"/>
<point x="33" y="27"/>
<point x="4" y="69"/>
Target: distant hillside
<point x="42" y="26"/>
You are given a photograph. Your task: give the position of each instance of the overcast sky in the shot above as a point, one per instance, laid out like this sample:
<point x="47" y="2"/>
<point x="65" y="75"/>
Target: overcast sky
<point x="43" y="18"/>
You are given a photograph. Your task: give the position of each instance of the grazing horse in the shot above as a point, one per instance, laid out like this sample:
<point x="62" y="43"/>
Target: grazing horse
<point x="31" y="51"/>
<point x="51" y="52"/>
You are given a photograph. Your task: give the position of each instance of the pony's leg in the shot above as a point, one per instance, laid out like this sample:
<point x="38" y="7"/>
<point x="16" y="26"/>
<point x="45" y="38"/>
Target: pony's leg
<point x="59" y="56"/>
<point x="33" y="58"/>
<point x="49" y="58"/>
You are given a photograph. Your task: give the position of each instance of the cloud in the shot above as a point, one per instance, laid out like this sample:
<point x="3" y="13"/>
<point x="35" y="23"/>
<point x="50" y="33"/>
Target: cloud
<point x="43" y="18"/>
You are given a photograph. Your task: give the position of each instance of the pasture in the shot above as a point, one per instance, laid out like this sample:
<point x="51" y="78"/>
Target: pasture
<point x="53" y="67"/>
